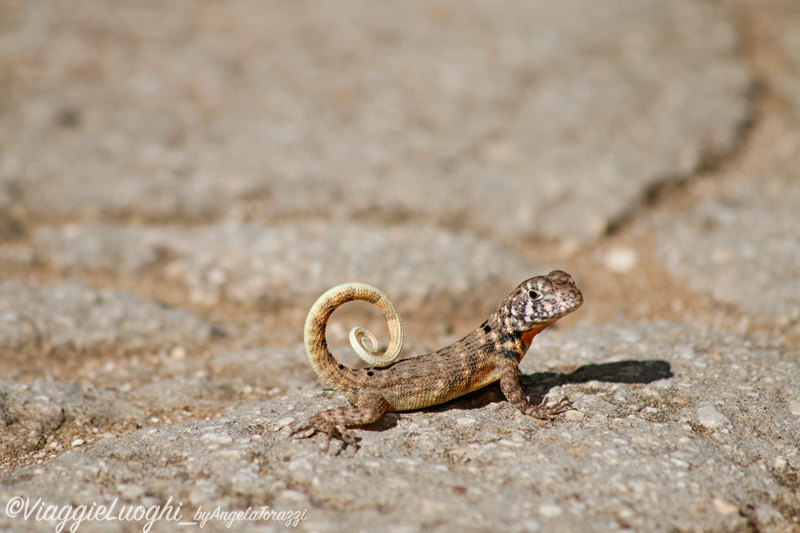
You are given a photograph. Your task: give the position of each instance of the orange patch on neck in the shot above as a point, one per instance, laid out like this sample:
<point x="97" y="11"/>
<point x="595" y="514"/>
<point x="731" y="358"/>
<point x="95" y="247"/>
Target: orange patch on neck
<point x="527" y="337"/>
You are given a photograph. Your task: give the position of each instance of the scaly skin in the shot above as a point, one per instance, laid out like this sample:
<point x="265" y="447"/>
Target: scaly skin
<point x="490" y="353"/>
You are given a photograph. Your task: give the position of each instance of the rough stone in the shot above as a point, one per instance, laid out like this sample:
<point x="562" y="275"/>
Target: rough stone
<point x="9" y="226"/>
<point x="781" y="19"/>
<point x="623" y="466"/>
<point x="517" y="118"/>
<point x="215" y="382"/>
<point x="247" y="155"/>
<point x="742" y="245"/>
<point x="418" y="267"/>
<point x="61" y="320"/>
<point x="31" y="412"/>
<point x="710" y="418"/>
<point x="738" y="243"/>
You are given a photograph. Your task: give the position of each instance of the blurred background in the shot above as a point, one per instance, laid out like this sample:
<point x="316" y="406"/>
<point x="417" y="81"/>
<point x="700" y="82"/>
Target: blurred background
<point x="234" y="159"/>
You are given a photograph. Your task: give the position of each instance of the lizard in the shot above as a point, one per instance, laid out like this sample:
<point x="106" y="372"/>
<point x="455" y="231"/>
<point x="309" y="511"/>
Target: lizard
<point x="490" y="353"/>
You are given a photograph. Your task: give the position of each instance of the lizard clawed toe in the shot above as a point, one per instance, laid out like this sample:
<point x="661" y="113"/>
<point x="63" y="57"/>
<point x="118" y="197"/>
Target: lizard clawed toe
<point x="549" y="412"/>
<point x="331" y="431"/>
<point x="308" y="429"/>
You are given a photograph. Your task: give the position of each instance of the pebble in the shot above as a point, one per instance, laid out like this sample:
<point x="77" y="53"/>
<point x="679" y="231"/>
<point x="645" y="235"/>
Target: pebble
<point x="550" y="510"/>
<point x="621" y="259"/>
<point x="710" y="418"/>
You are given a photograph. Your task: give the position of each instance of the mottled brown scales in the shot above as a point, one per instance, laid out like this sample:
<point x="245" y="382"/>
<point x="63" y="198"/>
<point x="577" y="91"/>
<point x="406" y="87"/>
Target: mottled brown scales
<point x="490" y="353"/>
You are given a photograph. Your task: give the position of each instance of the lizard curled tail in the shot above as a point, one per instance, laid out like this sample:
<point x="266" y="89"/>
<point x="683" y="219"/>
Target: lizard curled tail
<point x="322" y="361"/>
<point x="490" y="353"/>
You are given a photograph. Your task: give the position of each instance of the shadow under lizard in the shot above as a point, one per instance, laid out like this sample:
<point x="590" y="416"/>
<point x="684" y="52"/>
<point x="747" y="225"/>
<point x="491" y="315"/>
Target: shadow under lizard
<point x="490" y="353"/>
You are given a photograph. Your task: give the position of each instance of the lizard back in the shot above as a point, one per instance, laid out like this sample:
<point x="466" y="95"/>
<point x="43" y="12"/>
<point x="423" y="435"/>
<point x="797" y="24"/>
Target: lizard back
<point x="465" y="366"/>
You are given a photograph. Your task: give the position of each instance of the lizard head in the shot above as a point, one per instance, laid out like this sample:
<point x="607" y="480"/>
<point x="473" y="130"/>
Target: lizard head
<point x="538" y="302"/>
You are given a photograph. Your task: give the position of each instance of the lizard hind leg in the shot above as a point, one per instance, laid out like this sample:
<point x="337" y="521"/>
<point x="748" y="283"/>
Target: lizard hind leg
<point x="333" y="422"/>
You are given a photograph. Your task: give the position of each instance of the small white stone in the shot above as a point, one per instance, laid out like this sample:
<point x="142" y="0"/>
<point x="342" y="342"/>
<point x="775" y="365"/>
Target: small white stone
<point x="626" y="513"/>
<point x="294" y="496"/>
<point x="621" y="259"/>
<point x="710" y="418"/>
<point x="794" y="407"/>
<point x="680" y="464"/>
<point x="178" y="353"/>
<point x="78" y="442"/>
<point x="722" y="255"/>
<point x="283" y="422"/>
<point x="550" y="510"/>
<point x="216" y="438"/>
<point x="130" y="492"/>
<point x="724" y="507"/>
<point x="217" y="276"/>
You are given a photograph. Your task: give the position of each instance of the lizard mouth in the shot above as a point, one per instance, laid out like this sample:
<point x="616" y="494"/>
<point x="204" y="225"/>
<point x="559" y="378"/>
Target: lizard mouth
<point x="573" y="301"/>
<point x="564" y="307"/>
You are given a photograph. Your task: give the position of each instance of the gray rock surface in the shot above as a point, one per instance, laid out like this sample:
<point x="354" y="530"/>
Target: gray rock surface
<point x="517" y="119"/>
<point x="748" y="251"/>
<point x="67" y="319"/>
<point x="739" y="243"/>
<point x="675" y="428"/>
<point x="31" y="412"/>
<point x="418" y="267"/>
<point x="9" y="227"/>
<point x="781" y="18"/>
<point x="40" y="417"/>
<point x="238" y="158"/>
<point x="222" y="379"/>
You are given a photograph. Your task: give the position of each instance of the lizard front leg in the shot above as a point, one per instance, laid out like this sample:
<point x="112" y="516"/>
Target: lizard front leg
<point x="334" y="422"/>
<point x="509" y="384"/>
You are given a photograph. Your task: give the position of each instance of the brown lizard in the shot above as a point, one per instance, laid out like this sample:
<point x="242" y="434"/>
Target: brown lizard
<point x="492" y="352"/>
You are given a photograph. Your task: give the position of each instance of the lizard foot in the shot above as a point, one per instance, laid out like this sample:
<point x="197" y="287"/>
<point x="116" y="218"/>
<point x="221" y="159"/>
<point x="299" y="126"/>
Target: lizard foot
<point x="333" y="431"/>
<point x="549" y="412"/>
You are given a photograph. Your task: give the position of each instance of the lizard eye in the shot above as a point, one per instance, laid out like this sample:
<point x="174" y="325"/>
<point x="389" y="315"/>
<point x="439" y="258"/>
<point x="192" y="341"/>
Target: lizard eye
<point x="533" y="295"/>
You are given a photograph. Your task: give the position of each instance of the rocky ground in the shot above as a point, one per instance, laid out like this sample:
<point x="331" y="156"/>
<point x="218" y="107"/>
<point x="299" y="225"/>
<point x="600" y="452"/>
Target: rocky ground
<point x="179" y="181"/>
